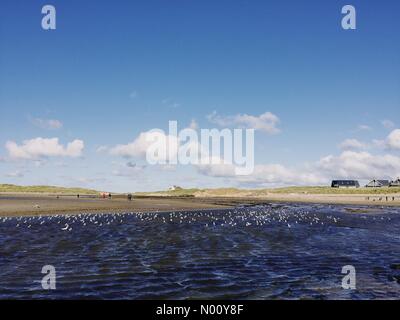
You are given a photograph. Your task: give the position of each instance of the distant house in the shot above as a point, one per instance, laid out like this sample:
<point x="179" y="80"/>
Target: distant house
<point x="377" y="183"/>
<point x="174" y="188"/>
<point x="395" y="183"/>
<point x="345" y="184"/>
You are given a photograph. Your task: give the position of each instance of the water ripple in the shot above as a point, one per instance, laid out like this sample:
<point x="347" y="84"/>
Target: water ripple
<point x="288" y="251"/>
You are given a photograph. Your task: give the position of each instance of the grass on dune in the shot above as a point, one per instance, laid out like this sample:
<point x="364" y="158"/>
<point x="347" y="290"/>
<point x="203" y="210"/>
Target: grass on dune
<point x="195" y="192"/>
<point x="172" y="193"/>
<point x="329" y="190"/>
<point x="44" y="189"/>
<point x="230" y="192"/>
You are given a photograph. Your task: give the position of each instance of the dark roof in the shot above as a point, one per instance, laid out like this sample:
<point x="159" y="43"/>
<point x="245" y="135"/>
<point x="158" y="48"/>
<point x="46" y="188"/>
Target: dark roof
<point x="395" y="183"/>
<point x="345" y="183"/>
<point x="383" y="183"/>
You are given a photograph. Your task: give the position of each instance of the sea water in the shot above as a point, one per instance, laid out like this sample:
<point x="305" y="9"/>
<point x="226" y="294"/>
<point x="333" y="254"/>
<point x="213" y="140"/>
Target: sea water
<point x="272" y="251"/>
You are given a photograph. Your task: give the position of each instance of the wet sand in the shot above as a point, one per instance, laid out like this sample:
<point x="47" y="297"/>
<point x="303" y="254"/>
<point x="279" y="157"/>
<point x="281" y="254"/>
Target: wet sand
<point x="50" y="204"/>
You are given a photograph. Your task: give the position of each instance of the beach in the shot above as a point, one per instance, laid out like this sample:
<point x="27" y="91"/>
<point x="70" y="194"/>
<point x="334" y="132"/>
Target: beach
<point x="31" y="204"/>
<point x="50" y="204"/>
<point x="350" y="199"/>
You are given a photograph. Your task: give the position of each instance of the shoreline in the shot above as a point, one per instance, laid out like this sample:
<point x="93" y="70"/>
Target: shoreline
<point x="16" y="205"/>
<point x="343" y="199"/>
<point x="34" y="204"/>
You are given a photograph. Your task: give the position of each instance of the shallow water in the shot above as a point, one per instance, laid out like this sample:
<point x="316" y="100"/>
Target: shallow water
<point x="287" y="251"/>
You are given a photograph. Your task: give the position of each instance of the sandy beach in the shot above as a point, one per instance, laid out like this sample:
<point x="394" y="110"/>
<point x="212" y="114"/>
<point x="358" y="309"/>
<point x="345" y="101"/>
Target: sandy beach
<point x="17" y="204"/>
<point x="351" y="199"/>
<point x="47" y="204"/>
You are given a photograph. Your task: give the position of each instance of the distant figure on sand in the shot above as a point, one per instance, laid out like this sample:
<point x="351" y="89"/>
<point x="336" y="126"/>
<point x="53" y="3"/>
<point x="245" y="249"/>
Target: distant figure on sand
<point x="129" y="197"/>
<point x="109" y="195"/>
<point x="77" y="196"/>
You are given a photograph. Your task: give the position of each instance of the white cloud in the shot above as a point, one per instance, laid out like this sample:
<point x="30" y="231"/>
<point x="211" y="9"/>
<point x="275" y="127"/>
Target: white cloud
<point x="388" y="124"/>
<point x="212" y="165"/>
<point x="359" y="165"/>
<point x="364" y="127"/>
<point x="267" y="174"/>
<point x="15" y="174"/>
<point x="217" y="170"/>
<point x="279" y="174"/>
<point x="42" y="147"/>
<point x="393" y="139"/>
<point x="49" y="124"/>
<point x="352" y="163"/>
<point x="348" y="165"/>
<point x="138" y="148"/>
<point x="352" y="144"/>
<point x="266" y="122"/>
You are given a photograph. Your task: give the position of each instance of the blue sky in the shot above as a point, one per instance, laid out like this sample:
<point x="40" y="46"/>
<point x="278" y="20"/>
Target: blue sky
<point x="114" y="69"/>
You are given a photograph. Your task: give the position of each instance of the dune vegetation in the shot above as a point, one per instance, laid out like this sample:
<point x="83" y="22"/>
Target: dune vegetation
<point x="234" y="192"/>
<point x="11" y="188"/>
<point x="195" y="192"/>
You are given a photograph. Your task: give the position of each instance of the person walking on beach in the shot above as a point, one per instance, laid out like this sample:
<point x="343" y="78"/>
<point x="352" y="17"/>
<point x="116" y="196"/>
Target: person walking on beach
<point x="129" y="197"/>
<point x="109" y="195"/>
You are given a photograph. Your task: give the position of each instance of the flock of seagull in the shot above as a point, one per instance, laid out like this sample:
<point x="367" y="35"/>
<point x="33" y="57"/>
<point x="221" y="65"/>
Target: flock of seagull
<point x="246" y="216"/>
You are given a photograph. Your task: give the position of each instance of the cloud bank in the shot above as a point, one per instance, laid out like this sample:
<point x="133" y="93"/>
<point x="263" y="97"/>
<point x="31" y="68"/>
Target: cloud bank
<point x="42" y="148"/>
<point x="393" y="140"/>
